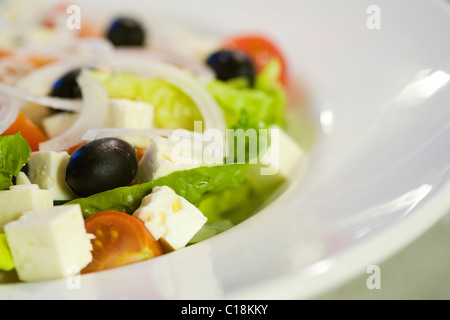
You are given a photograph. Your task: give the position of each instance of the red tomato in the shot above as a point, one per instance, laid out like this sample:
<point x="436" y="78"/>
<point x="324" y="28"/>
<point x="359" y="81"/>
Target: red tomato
<point x="120" y="239"/>
<point x="28" y="130"/>
<point x="261" y="50"/>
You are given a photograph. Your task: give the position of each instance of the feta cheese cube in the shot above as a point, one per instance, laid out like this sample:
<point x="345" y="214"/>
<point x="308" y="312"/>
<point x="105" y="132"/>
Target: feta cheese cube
<point x="130" y="114"/>
<point x="283" y="157"/>
<point x="48" y="170"/>
<point x="49" y="243"/>
<point x="169" y="217"/>
<point x="58" y="123"/>
<point x="21" y="198"/>
<point x="161" y="159"/>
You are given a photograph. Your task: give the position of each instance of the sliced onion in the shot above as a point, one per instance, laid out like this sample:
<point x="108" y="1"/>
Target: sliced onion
<point x="92" y="114"/>
<point x="169" y="58"/>
<point x="56" y="103"/>
<point x="94" y="134"/>
<point x="9" y="111"/>
<point x="87" y="48"/>
<point x="41" y="80"/>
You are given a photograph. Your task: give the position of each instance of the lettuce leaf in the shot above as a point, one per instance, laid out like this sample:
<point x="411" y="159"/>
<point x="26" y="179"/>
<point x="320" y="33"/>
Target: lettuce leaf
<point x="14" y="154"/>
<point x="192" y="184"/>
<point x="244" y="108"/>
<point x="173" y="108"/>
<point x="215" y="206"/>
<point x="252" y="108"/>
<point x="230" y="207"/>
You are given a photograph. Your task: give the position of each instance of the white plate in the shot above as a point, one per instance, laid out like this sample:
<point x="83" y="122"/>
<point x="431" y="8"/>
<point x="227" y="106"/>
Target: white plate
<point x="379" y="173"/>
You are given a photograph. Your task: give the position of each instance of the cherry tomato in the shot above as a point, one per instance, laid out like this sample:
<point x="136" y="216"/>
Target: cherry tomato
<point x="29" y="131"/>
<point x="120" y="239"/>
<point x="261" y="50"/>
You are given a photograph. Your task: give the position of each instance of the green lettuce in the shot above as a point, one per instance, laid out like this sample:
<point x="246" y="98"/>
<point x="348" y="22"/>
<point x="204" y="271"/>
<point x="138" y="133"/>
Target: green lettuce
<point x="252" y="107"/>
<point x="14" y="154"/>
<point x="232" y="206"/>
<point x="244" y="107"/>
<point x="6" y="259"/>
<point x="192" y="184"/>
<point x="214" y="206"/>
<point x="173" y="108"/>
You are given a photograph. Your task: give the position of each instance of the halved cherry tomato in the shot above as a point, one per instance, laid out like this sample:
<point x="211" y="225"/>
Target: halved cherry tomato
<point x="120" y="239"/>
<point x="261" y="50"/>
<point x="29" y="131"/>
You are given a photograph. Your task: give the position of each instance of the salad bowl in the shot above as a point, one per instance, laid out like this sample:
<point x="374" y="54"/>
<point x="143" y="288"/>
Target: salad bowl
<point x="376" y="129"/>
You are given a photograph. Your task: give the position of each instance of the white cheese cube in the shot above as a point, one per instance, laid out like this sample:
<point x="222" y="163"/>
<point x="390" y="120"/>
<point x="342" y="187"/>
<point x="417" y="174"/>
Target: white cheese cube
<point x="49" y="243"/>
<point x="130" y="114"/>
<point x="161" y="159"/>
<point x="283" y="157"/>
<point x="21" y="198"/>
<point x="170" y="217"/>
<point x="58" y="123"/>
<point x="48" y="170"/>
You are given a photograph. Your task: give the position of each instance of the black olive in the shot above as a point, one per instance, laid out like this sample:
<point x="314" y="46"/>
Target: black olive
<point x="67" y="86"/>
<point x="230" y="64"/>
<point x="126" y="32"/>
<point x="101" y="165"/>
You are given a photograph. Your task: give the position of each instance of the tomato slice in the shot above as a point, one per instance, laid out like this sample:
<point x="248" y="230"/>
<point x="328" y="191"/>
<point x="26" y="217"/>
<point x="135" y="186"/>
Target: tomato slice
<point x="261" y="50"/>
<point x="29" y="131"/>
<point x="120" y="239"/>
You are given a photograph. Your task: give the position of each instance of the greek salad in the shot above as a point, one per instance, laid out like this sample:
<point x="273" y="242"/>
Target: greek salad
<point x="118" y="145"/>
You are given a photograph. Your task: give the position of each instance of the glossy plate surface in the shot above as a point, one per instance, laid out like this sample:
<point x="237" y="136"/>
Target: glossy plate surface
<point x="379" y="78"/>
